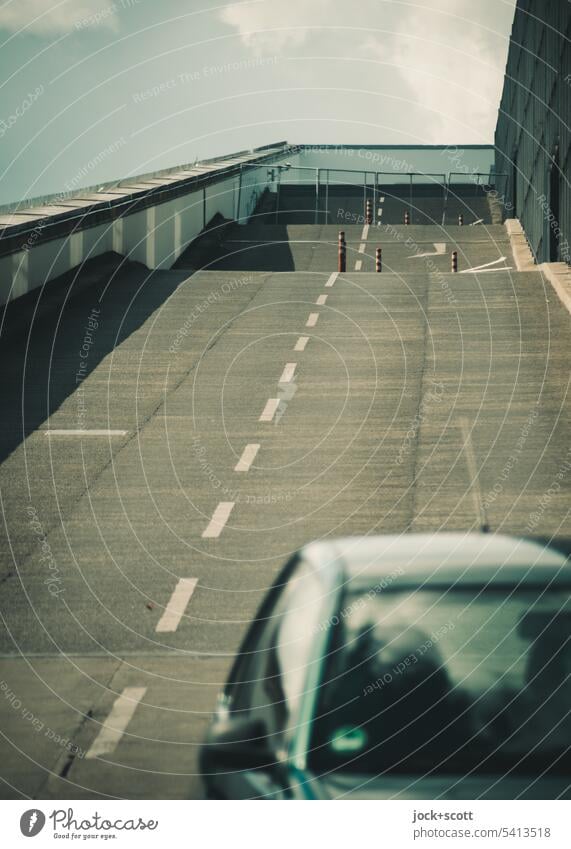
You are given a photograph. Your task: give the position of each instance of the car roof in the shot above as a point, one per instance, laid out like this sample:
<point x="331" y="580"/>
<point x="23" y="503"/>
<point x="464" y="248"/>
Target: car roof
<point x="442" y="559"/>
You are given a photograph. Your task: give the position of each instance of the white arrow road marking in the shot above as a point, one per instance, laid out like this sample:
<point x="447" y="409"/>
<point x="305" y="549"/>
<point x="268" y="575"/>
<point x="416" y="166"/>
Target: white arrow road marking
<point x="247" y="458"/>
<point x="174" y="611"/>
<point x="489" y="270"/>
<point x="219" y="519"/>
<point x="440" y="249"/>
<point x="114" y="726"/>
<point x="487" y="265"/>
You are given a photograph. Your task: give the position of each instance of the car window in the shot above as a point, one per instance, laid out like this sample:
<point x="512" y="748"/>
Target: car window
<point x="448" y="682"/>
<point x="274" y="672"/>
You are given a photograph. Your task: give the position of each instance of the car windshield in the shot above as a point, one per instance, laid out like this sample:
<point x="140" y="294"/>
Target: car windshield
<point x="448" y="681"/>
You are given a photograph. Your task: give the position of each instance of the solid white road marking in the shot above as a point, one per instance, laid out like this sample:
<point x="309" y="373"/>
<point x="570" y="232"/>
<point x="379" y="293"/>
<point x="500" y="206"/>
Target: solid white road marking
<point x="219" y="519"/>
<point x="358" y="265"/>
<point x="365" y="233"/>
<point x="288" y="372"/>
<point x="312" y="320"/>
<point x="487" y="265"/>
<point x="362" y="247"/>
<point x="440" y="249"/>
<point x="321" y="300"/>
<point x="332" y="278"/>
<point x="247" y="458"/>
<point x="269" y="410"/>
<point x="114" y="726"/>
<point x="174" y="611"/>
<point x="301" y="343"/>
<point x="472" y="471"/>
<point x="61" y="432"/>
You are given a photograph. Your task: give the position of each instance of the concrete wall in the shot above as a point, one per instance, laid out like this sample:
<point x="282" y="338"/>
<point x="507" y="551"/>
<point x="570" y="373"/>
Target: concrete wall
<point x="533" y="135"/>
<point x="155" y="236"/>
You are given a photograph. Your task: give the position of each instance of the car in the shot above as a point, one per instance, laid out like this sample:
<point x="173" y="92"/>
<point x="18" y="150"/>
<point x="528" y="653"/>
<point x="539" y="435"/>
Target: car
<point x="413" y="666"/>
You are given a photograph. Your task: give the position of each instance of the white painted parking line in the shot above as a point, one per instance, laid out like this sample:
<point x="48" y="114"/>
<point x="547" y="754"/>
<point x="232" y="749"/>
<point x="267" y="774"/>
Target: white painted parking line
<point x="362" y="247"/>
<point x="365" y="233"/>
<point x="288" y="372"/>
<point x="174" y="611"/>
<point x="332" y="278"/>
<point x="301" y="343"/>
<point x="219" y="519"/>
<point x="321" y="300"/>
<point x="358" y="265"/>
<point x="312" y="320"/>
<point x="114" y="726"/>
<point x="247" y="458"/>
<point x="79" y="432"/>
<point x="269" y="410"/>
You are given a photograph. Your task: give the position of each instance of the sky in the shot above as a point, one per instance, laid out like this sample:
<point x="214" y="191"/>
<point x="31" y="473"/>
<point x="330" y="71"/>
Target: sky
<point x="97" y="90"/>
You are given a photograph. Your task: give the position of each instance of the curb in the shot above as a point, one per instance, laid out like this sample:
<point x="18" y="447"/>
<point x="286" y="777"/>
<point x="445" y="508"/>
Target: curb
<point x="523" y="257"/>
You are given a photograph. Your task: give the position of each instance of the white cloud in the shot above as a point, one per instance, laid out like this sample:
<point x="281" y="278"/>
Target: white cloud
<point x="454" y="67"/>
<point x="449" y="55"/>
<point x="45" y="17"/>
<point x="267" y="27"/>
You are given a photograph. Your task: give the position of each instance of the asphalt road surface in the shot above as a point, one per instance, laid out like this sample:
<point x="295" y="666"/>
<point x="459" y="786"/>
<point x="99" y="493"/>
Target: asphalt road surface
<point x="170" y="437"/>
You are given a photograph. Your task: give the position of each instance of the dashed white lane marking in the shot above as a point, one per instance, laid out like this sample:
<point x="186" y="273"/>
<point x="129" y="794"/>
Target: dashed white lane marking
<point x="321" y="300"/>
<point x="219" y="519"/>
<point x="312" y="320"/>
<point x="301" y="343"/>
<point x="288" y="372"/>
<point x="247" y="458"/>
<point x="79" y="432"/>
<point x="332" y="278"/>
<point x="114" y="726"/>
<point x="479" y="221"/>
<point x="358" y="265"/>
<point x="270" y="409"/>
<point x="379" y="212"/>
<point x="362" y="247"/>
<point x="174" y="611"/>
<point x="365" y="233"/>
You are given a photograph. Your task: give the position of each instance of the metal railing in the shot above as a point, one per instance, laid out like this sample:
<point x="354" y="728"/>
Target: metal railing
<point x="371" y="184"/>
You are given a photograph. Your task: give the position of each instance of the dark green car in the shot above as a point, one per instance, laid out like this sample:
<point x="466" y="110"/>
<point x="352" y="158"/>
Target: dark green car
<point x="419" y="666"/>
